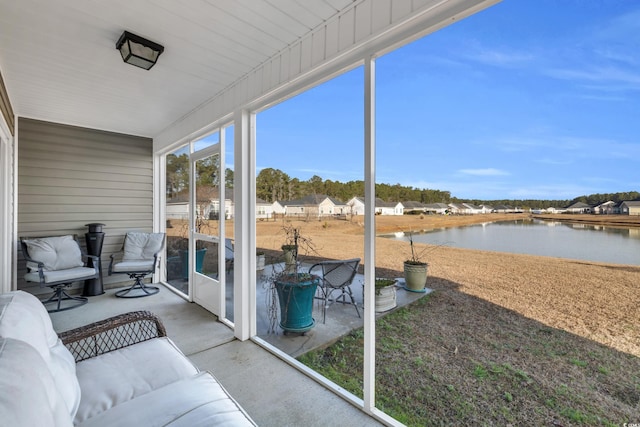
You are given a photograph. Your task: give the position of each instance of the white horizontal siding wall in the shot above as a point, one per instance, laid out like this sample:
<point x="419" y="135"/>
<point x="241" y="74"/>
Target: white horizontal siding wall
<point x="367" y="27"/>
<point x="70" y="176"/>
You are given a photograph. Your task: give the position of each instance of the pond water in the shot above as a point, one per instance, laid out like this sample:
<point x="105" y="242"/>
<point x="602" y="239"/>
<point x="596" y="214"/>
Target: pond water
<point x="535" y="237"/>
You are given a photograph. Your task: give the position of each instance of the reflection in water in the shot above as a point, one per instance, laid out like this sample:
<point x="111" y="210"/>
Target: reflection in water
<point x="549" y="238"/>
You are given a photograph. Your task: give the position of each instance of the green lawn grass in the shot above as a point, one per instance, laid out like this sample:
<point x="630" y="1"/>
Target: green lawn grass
<point x="454" y="359"/>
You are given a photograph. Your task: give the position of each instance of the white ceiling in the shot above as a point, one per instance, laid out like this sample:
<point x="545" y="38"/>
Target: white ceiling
<point x="59" y="62"/>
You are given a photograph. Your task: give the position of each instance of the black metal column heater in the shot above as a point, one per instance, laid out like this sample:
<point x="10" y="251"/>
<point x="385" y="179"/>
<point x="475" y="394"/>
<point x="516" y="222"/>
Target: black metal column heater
<point x="94" y="239"/>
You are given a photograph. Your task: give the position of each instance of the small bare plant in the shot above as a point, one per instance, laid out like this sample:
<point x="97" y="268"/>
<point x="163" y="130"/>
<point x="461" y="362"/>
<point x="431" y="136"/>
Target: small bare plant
<point x="416" y="255"/>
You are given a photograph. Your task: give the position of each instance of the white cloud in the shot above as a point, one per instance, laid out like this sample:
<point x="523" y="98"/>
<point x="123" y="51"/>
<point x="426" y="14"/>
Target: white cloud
<point x="497" y="56"/>
<point x="602" y="74"/>
<point x="501" y="58"/>
<point x="518" y="143"/>
<point x="574" y="146"/>
<point x="484" y="172"/>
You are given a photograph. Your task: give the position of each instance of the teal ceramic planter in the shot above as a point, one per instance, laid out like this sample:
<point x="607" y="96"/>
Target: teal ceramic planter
<point x="296" y="302"/>
<point x="184" y="257"/>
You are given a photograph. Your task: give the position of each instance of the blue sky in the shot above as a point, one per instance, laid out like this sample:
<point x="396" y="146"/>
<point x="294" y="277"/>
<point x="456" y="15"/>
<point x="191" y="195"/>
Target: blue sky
<point x="525" y="100"/>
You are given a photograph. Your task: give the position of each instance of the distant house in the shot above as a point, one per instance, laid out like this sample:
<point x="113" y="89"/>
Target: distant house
<point x="607" y="208"/>
<point x="413" y="206"/>
<point x="553" y="210"/>
<point x="277" y="207"/>
<point x="264" y="210"/>
<point x="207" y="205"/>
<point x="464" y="209"/>
<point x="503" y="209"/>
<point x="438" y="208"/>
<point x="486" y="209"/>
<point x="456" y="209"/>
<point x="630" y="207"/>
<point x="356" y="207"/>
<point x="579" y="208"/>
<point x="472" y="209"/>
<point x="389" y="208"/>
<point x="317" y="205"/>
<point x="229" y="206"/>
<point x="177" y="210"/>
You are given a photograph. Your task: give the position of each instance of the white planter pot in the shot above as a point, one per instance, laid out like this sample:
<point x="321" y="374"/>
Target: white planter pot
<point x="415" y="277"/>
<point x="386" y="298"/>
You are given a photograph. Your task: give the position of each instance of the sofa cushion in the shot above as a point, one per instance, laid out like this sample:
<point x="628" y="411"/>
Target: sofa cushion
<point x="116" y="377"/>
<point x="24" y="318"/>
<point x="196" y="401"/>
<point x="56" y="253"/>
<point x="142" y="246"/>
<point x="28" y="394"/>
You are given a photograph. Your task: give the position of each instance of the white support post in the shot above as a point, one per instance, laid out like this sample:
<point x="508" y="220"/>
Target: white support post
<point x="6" y="208"/>
<point x="244" y="302"/>
<point x="369" y="236"/>
<point x="222" y="198"/>
<point x="159" y="209"/>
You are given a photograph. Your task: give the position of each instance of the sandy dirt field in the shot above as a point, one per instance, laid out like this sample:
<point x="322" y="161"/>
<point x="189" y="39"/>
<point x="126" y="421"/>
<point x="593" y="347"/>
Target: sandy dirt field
<point x="597" y="301"/>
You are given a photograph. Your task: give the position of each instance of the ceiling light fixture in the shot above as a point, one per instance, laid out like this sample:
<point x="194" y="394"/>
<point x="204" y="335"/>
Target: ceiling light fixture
<point x="138" y="51"/>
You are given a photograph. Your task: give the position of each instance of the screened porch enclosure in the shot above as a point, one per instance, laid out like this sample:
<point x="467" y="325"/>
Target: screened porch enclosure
<point x="255" y="56"/>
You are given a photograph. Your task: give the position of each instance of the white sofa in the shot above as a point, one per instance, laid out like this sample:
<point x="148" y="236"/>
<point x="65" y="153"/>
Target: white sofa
<point x="122" y="371"/>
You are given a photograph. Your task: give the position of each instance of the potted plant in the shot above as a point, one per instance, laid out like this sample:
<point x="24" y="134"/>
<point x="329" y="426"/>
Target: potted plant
<point x="385" y="294"/>
<point x="415" y="270"/>
<point x="184" y="258"/>
<point x="295" y="290"/>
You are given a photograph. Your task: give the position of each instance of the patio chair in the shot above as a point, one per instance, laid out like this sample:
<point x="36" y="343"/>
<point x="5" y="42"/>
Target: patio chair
<point x="57" y="262"/>
<point x="337" y="276"/>
<point x="138" y="258"/>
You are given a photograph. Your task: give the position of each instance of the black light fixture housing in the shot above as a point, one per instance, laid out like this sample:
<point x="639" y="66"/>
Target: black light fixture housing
<point x="138" y="51"/>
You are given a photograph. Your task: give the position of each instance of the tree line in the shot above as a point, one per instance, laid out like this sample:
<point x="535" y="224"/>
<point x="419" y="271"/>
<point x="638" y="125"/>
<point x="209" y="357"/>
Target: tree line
<point x="274" y="184"/>
<point x="592" y="199"/>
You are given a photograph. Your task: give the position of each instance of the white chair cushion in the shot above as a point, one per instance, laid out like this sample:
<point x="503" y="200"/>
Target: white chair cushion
<point x="56" y="253"/>
<point x="113" y="378"/>
<point x="70" y="274"/>
<point x="132" y="266"/>
<point x="28" y="394"/>
<point x="192" y="402"/>
<point x="142" y="246"/>
<point x="24" y="318"/>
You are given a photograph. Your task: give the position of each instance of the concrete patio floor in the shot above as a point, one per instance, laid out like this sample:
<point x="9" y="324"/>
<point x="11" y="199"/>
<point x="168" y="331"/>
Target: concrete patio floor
<point x="271" y="391"/>
<point x="340" y="318"/>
